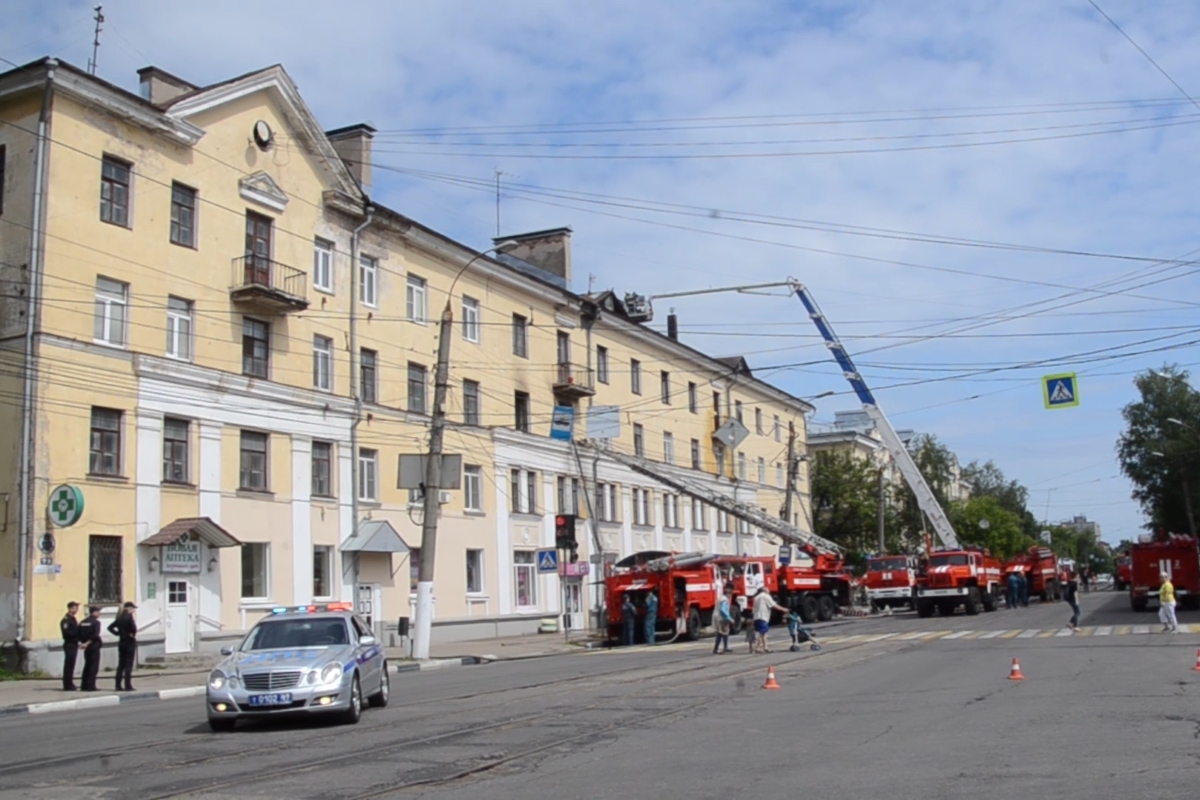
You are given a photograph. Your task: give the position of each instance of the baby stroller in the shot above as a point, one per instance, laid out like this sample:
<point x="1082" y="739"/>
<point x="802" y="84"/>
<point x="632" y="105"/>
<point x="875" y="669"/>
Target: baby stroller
<point x="800" y="634"/>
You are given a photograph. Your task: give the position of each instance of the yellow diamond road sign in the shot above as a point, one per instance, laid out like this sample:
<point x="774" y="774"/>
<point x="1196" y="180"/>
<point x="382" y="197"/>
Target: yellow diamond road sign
<point x="1060" y="391"/>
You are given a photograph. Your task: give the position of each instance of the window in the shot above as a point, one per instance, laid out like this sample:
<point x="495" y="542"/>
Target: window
<point x="104" y="570"/>
<point x="253" y="472"/>
<point x="641" y="507"/>
<point x="414" y="568"/>
<point x="114" y="191"/>
<point x="635" y="376"/>
<point x="778" y="474"/>
<point x="723" y="522"/>
<point x="668" y="448"/>
<point x="639" y="440"/>
<point x="112" y="299"/>
<point x="470" y="328"/>
<point x="699" y="515"/>
<point x="323" y="265"/>
<point x="776" y="429"/>
<point x="471" y="402"/>
<point x="602" y="364"/>
<point x="717" y="407"/>
<point x="525" y="578"/>
<point x="514" y="492"/>
<point x="368" y="375"/>
<point x="758" y="425"/>
<point x="737" y="411"/>
<point x="258" y="250"/>
<point x="179" y="328"/>
<point x="473" y="488"/>
<point x="762" y="470"/>
<point x="414" y="300"/>
<point x="475" y="571"/>
<point x="664" y="385"/>
<point x="607" y="497"/>
<point x="693" y="403"/>
<point x="322" y="469"/>
<point x="105" y="457"/>
<point x="741" y="466"/>
<point x="256" y="348"/>
<point x="568" y="495"/>
<point x="368" y="474"/>
<point x="670" y="511"/>
<point x="175" y="450"/>
<point x="695" y="454"/>
<point x="322" y="571"/>
<point x="521" y="406"/>
<point x="719" y="456"/>
<point x="368" y="280"/>
<point x="183" y="215"/>
<point x="531" y="492"/>
<point x="520" y="332"/>
<point x="3" y="160"/>
<point x="523" y="486"/>
<point x="322" y="363"/>
<point x="254" y="570"/>
<point x="416" y="388"/>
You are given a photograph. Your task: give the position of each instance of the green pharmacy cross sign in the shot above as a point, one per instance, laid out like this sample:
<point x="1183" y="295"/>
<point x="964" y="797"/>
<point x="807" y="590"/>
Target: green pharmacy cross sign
<point x="66" y="505"/>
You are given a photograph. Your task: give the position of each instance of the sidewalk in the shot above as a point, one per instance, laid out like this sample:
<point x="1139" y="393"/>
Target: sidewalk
<point x="148" y="685"/>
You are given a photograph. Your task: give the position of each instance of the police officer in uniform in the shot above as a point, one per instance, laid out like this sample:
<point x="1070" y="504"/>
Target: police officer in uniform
<point x="124" y="627"/>
<point x="89" y="637"/>
<point x="70" y="637"/>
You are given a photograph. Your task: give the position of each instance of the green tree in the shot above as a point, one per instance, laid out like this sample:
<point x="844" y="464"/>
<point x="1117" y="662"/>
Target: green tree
<point x="845" y="501"/>
<point x="984" y="521"/>
<point x="1160" y="449"/>
<point x="936" y="464"/>
<point x="987" y="480"/>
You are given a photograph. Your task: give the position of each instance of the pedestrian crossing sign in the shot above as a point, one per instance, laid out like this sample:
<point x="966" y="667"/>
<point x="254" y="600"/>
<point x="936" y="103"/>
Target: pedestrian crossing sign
<point x="547" y="560"/>
<point x="1060" y="391"/>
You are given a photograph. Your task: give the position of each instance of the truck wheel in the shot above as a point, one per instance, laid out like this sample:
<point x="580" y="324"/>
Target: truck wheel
<point x="924" y="608"/>
<point x="972" y="602"/>
<point x="1139" y="605"/>
<point x="825" y="608"/>
<point x="808" y="609"/>
<point x="990" y="599"/>
<point x="693" y="624"/>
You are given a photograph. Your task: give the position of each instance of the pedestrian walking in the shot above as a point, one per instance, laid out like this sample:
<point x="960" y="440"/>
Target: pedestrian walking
<point x="724" y="620"/>
<point x="628" y="616"/>
<point x="650" y="621"/>
<point x="70" y="636"/>
<point x="764" y="604"/>
<point x="1013" y="596"/>
<point x="89" y="637"/>
<point x="124" y="627"/>
<point x="1166" y="605"/>
<point x="1071" y="595"/>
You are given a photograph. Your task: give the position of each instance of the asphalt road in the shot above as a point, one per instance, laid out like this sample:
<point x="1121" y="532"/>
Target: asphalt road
<point x="1111" y="716"/>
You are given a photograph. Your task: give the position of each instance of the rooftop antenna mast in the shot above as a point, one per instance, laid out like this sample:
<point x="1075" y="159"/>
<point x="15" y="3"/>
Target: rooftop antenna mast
<point x="96" y="39"/>
<point x="500" y="172"/>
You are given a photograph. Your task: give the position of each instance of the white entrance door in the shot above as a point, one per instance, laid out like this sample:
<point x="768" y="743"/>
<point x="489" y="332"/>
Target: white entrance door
<point x="369" y="601"/>
<point x="573" y="604"/>
<point x="179" y="627"/>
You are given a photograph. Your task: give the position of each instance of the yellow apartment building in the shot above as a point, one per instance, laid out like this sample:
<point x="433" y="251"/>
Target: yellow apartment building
<point x="215" y="347"/>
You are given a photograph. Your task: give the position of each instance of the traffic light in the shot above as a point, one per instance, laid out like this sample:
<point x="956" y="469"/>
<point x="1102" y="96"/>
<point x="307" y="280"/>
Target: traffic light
<point x="564" y="532"/>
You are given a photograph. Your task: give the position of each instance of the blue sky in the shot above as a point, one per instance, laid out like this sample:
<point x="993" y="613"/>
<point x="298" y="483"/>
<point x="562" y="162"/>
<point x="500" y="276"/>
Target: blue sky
<point x="771" y="125"/>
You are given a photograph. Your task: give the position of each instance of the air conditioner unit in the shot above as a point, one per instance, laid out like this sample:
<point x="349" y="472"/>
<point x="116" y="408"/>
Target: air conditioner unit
<point x="443" y="497"/>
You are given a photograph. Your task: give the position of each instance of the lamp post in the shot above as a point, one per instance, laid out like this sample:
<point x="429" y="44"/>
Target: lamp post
<point x="433" y="465"/>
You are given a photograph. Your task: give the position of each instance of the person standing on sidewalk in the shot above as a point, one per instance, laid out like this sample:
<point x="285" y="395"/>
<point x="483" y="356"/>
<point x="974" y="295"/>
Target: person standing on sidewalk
<point x="70" y="636"/>
<point x="124" y="627"/>
<point x="724" y="620"/>
<point x="1166" y="605"/>
<point x="1071" y="595"/>
<point x="89" y="637"/>
<point x="650" y="622"/>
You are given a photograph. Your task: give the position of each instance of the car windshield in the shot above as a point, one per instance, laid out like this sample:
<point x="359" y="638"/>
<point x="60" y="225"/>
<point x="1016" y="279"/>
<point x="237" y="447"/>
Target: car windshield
<point x="881" y="564"/>
<point x="959" y="560"/>
<point x="290" y="633"/>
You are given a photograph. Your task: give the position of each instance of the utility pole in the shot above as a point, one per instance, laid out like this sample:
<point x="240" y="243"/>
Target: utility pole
<point x="786" y="512"/>
<point x="882" y="545"/>
<point x="96" y="39"/>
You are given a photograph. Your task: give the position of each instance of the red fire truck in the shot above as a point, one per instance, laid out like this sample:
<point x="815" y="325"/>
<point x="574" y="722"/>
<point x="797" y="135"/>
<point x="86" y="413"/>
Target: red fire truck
<point x="965" y="576"/>
<point x="1040" y="567"/>
<point x="687" y="588"/>
<point x="1124" y="577"/>
<point x="891" y="581"/>
<point x="1174" y="554"/>
<point x="811" y="583"/>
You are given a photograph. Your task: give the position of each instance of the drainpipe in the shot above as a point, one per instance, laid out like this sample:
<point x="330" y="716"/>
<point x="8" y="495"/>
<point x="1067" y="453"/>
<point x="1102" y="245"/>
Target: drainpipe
<point x="355" y="389"/>
<point x="32" y="314"/>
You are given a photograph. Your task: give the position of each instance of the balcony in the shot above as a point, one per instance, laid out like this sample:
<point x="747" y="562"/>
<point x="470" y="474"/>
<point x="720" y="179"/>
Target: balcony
<point x="572" y="382"/>
<point x="268" y="286"/>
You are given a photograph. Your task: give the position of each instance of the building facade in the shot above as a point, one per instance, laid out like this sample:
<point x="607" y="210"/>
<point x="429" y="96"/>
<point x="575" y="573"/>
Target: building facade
<point x="212" y="335"/>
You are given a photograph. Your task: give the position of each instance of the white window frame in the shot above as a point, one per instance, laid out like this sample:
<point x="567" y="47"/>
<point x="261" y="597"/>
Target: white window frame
<point x="699" y="515"/>
<point x="265" y="597"/>
<point x="606" y="502"/>
<point x="530" y="568"/>
<point x="479" y="572"/>
<point x="668" y="448"/>
<point x="779" y="474"/>
<point x="670" y="510"/>
<point x="108" y="329"/>
<point x="641" y="507"/>
<point x="639" y="440"/>
<point x="473" y="488"/>
<point x="635" y="376"/>
<point x="368" y="281"/>
<point x="179" y="328"/>
<point x="368" y="475"/>
<point x="471" y="319"/>
<point x="322" y="363"/>
<point x="323" y="266"/>
<point x="327" y="551"/>
<point x="415" y="296"/>
<point x="741" y="466"/>
<point x="762" y="470"/>
<point x="778" y="429"/>
<point x="602" y="364"/>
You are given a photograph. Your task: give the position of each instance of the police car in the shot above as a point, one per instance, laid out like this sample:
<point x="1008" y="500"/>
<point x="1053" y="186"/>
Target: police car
<point x="302" y="660"/>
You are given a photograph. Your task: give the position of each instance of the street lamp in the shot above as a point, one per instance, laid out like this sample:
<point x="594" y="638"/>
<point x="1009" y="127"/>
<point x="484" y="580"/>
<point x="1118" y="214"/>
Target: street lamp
<point x="1181" y="424"/>
<point x="433" y="464"/>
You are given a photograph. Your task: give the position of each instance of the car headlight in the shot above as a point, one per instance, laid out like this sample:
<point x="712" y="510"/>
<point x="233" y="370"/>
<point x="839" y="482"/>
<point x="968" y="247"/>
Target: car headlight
<point x="216" y="679"/>
<point x="331" y="673"/>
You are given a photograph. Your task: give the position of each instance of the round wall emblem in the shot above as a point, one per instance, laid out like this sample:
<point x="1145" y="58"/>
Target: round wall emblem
<point x="66" y="505"/>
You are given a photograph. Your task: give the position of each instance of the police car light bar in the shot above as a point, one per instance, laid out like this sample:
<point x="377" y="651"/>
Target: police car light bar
<point x="311" y="609"/>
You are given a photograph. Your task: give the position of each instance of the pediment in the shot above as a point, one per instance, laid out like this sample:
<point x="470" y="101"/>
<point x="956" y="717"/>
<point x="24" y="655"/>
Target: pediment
<point x="261" y="188"/>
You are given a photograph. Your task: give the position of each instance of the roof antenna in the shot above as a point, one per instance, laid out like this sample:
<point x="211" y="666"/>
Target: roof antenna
<point x="96" y="40"/>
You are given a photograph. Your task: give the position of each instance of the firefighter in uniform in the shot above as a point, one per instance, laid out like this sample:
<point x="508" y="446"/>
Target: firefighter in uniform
<point x="70" y="637"/>
<point x="124" y="627"/>
<point x="651" y="619"/>
<point x="89" y="637"/>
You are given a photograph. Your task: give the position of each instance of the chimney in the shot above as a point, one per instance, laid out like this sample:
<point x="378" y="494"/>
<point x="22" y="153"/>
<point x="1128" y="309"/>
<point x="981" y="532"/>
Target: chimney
<point x="161" y="87"/>
<point x="353" y="144"/>
<point x="672" y="326"/>
<point x="549" y="251"/>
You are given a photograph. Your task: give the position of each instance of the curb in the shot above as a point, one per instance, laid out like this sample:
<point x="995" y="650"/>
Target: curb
<point x="443" y="663"/>
<point x="102" y="701"/>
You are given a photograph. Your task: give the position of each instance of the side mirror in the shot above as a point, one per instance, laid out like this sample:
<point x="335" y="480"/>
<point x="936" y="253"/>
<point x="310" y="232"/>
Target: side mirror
<point x="367" y="641"/>
<point x="226" y="651"/>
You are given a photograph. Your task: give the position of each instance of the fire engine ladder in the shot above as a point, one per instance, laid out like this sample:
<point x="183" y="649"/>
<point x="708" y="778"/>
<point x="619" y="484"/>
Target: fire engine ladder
<point x="742" y="511"/>
<point x="926" y="499"/>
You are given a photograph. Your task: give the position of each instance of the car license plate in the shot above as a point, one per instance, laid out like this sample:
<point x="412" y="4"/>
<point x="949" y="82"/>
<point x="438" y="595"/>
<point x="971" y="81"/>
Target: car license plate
<point x="271" y="699"/>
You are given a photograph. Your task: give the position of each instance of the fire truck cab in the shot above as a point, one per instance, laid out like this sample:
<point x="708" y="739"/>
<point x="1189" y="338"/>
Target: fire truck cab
<point x="1123" y="579"/>
<point x="967" y="577"/>
<point x="891" y="581"/>
<point x="1176" y="555"/>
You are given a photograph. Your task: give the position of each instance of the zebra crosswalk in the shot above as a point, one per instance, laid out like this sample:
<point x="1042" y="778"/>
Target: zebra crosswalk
<point x="1017" y="633"/>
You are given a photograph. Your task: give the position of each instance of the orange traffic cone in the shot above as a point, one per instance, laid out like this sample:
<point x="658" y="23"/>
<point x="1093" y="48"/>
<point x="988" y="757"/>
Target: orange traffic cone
<point x="771" y="682"/>
<point x="1197" y="667"/>
<point x="1015" y="673"/>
